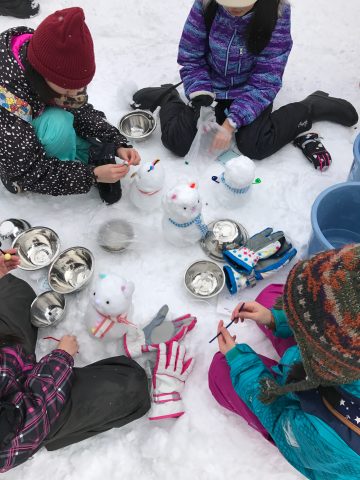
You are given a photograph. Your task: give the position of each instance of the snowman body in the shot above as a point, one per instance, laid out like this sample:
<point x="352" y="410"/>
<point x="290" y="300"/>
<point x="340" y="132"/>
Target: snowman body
<point x="109" y="315"/>
<point x="182" y="222"/>
<point x="147" y="188"/>
<point x="235" y="182"/>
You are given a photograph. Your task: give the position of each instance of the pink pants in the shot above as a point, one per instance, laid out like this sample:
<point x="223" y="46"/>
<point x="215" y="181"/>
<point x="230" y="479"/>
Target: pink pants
<point x="219" y="373"/>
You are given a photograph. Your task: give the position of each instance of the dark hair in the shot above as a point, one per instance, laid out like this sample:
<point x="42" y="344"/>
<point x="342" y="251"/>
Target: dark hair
<point x="261" y="26"/>
<point x="10" y="340"/>
<point x="297" y="373"/>
<point x="38" y="83"/>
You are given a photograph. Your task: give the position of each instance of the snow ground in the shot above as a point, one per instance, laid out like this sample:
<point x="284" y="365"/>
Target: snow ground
<point x="137" y="42"/>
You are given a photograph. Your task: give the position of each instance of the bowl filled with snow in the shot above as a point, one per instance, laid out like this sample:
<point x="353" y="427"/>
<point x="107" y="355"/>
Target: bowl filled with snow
<point x="204" y="279"/>
<point x="36" y="247"/>
<point x="137" y="125"/>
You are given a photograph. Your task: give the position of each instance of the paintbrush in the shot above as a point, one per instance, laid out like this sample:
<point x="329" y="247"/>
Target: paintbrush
<point x="228" y="325"/>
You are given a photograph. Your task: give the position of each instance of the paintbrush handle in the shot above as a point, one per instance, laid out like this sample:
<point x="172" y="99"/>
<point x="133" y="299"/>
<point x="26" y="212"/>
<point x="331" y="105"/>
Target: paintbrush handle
<point x="228" y="325"/>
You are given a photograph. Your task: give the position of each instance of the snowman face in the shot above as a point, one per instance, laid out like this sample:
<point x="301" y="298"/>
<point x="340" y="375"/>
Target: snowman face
<point x="150" y="177"/>
<point x="183" y="203"/>
<point x="112" y="295"/>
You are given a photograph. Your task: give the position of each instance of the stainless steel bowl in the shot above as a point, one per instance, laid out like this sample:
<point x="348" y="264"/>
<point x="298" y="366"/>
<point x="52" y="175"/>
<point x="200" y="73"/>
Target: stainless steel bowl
<point x="71" y="270"/>
<point x="204" y="279"/>
<point x="115" y="235"/>
<point x="12" y="227"/>
<point x="223" y="235"/>
<point x="36" y="247"/>
<point x="48" y="309"/>
<point x="137" y="125"/>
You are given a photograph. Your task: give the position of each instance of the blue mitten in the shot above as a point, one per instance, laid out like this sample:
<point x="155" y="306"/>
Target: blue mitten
<point x="263" y="245"/>
<point x="234" y="280"/>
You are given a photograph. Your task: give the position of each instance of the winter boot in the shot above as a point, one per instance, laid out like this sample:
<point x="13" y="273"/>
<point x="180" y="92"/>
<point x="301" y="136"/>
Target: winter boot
<point x="103" y="154"/>
<point x="19" y="8"/>
<point x="152" y="97"/>
<point x="314" y="150"/>
<point x="324" y="107"/>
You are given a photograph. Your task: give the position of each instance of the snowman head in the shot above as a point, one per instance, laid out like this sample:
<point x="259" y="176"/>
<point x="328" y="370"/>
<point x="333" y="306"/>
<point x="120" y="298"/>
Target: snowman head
<point x="112" y="294"/>
<point x="150" y="176"/>
<point x="239" y="172"/>
<point x="182" y="203"/>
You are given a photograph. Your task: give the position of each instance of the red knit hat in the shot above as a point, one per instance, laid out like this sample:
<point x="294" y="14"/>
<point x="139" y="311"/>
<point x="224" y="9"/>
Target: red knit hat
<point x="62" y="50"/>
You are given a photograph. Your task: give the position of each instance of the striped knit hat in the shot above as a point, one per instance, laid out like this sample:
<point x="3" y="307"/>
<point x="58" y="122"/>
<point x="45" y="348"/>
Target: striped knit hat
<point x="322" y="304"/>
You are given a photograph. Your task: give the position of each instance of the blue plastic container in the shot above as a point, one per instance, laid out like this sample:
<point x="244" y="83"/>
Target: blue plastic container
<point x="354" y="174"/>
<point x="335" y="217"/>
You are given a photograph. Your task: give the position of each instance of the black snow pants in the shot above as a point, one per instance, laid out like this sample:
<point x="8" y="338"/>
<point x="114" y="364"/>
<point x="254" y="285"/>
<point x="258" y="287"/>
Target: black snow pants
<point x="106" y="394"/>
<point x="258" y="140"/>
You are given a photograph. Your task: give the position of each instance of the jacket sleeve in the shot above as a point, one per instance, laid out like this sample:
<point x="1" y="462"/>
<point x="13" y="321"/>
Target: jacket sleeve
<point x="89" y="122"/>
<point x="39" y="402"/>
<point x="282" y="329"/>
<point x="23" y="160"/>
<point x="194" y="70"/>
<point x="266" y="78"/>
<point x="295" y="433"/>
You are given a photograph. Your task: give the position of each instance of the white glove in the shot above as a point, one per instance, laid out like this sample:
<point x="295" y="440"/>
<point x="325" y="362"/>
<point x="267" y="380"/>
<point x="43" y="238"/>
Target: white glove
<point x="169" y="377"/>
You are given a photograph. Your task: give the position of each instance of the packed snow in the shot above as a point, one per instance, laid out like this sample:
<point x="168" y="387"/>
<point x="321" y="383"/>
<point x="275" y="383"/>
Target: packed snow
<point x="136" y="46"/>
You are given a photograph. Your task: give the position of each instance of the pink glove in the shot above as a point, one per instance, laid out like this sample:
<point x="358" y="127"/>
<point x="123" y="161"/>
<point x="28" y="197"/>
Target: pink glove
<point x="170" y="374"/>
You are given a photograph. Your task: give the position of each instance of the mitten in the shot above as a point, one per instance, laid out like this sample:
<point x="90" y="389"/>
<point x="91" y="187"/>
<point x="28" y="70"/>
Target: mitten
<point x="156" y="332"/>
<point x="234" y="280"/>
<point x="170" y="374"/>
<point x="262" y="245"/>
<point x="266" y="268"/>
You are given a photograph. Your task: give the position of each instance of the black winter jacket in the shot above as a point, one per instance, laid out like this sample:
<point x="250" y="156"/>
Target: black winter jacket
<point x="23" y="160"/>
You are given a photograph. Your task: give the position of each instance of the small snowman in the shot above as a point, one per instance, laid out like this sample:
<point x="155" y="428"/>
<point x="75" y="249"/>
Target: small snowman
<point x="147" y="187"/>
<point x="235" y="181"/>
<point x="182" y="222"/>
<point x="109" y="316"/>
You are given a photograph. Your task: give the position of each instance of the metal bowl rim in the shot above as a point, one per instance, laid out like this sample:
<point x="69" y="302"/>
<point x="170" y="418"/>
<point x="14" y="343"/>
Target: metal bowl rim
<point x="134" y="112"/>
<point x="57" y="258"/>
<point x="36" y="228"/>
<point x="205" y="296"/>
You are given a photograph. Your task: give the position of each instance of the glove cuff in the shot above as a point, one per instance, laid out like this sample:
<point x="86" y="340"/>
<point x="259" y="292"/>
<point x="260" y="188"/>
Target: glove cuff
<point x="166" y="405"/>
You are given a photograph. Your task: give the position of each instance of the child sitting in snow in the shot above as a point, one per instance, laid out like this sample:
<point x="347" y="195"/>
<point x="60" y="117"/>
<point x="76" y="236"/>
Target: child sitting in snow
<point x="49" y="403"/>
<point x="45" y="120"/>
<point x="308" y="404"/>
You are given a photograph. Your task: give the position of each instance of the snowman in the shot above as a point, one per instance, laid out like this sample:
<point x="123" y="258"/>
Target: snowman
<point x="147" y="187"/>
<point x="235" y="181"/>
<point x="182" y="222"/>
<point x="109" y="316"/>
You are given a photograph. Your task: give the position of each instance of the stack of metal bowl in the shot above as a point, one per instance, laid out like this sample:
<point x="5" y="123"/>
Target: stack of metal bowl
<point x="223" y="235"/>
<point x="137" y="125"/>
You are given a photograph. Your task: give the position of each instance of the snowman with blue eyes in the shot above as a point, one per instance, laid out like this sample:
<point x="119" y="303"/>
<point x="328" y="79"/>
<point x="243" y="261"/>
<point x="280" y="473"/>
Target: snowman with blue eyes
<point x="109" y="315"/>
<point x="182" y="223"/>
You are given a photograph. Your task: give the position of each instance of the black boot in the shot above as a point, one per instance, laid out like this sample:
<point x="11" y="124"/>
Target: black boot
<point x="152" y="97"/>
<point x="103" y="154"/>
<point x="19" y="8"/>
<point x="331" y="109"/>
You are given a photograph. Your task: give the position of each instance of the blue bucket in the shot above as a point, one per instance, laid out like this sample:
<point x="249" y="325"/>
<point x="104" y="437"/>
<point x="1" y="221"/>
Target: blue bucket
<point x="354" y="174"/>
<point x="335" y="217"/>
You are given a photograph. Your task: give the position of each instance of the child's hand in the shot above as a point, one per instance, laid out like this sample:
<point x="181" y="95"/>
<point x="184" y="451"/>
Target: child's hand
<point x="225" y="340"/>
<point x="8" y="264"/>
<point x="130" y="155"/>
<point x="69" y="344"/>
<point x="110" y="173"/>
<point x="223" y="137"/>
<point x="254" y="311"/>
